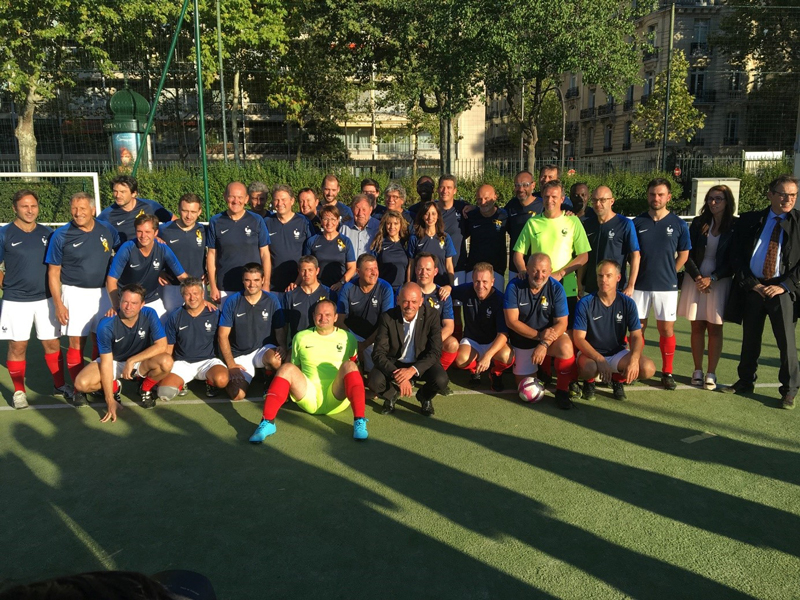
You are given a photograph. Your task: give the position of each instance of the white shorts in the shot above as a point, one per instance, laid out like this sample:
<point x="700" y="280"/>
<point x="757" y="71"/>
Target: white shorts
<point x="368" y="364"/>
<point x="613" y="360"/>
<point x="665" y="304"/>
<point x="87" y="306"/>
<point x="459" y="277"/>
<point x="171" y="297"/>
<point x="253" y="361"/>
<point x="189" y="371"/>
<point x="479" y="348"/>
<point x="16" y="319"/>
<point x="523" y="363"/>
<point x="499" y="280"/>
<point x="118" y="367"/>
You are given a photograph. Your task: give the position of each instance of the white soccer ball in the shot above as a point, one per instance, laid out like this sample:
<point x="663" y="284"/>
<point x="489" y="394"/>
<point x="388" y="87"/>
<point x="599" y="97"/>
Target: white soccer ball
<point x="530" y="390"/>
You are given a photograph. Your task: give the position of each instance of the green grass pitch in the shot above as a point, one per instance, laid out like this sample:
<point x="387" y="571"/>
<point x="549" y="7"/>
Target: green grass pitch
<point x="685" y="494"/>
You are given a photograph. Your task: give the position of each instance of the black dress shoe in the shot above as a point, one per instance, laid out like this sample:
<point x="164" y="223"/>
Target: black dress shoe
<point x="740" y="387"/>
<point x="388" y="406"/>
<point x="427" y="408"/>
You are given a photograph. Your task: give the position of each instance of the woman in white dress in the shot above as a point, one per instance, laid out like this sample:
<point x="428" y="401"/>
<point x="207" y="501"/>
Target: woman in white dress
<point x="708" y="280"/>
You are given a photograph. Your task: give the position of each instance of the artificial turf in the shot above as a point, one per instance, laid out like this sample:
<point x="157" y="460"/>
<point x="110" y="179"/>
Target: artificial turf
<point x="490" y="498"/>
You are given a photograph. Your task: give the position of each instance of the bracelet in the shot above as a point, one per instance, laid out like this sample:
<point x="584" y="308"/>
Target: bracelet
<point x="545" y="344"/>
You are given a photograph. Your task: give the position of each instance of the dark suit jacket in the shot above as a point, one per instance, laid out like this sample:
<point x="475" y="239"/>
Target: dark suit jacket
<point x="746" y="234"/>
<point x="725" y="266"/>
<point x="389" y="340"/>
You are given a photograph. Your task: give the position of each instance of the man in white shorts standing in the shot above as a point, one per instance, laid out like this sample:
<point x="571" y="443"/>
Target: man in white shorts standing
<point x="23" y="245"/>
<point x="78" y="257"/>
<point x="602" y="321"/>
<point x="252" y="332"/>
<point x="132" y="344"/>
<point x="664" y="246"/>
<point x="191" y="332"/>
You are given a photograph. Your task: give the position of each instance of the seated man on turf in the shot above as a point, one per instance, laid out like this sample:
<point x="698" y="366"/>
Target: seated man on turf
<point x="484" y="346"/>
<point x="536" y="314"/>
<point x="426" y="271"/>
<point x="360" y="303"/>
<point x="191" y="333"/>
<point x="131" y="344"/>
<point x="251" y="332"/>
<point x="601" y="322"/>
<point x="322" y="377"/>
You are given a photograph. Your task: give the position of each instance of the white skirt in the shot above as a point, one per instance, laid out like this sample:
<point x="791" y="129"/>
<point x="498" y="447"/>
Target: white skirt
<point x="704" y="307"/>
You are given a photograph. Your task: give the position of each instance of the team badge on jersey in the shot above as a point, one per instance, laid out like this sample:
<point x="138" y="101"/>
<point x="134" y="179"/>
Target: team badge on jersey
<point x="669" y="230"/>
<point x="564" y="233"/>
<point x="156" y="263"/>
<point x="44" y="240"/>
<point x="611" y="235"/>
<point x="488" y="312"/>
<point x="265" y="314"/>
<point x="619" y="317"/>
<point x="208" y="326"/>
<point x="339" y="347"/>
<point x="296" y="234"/>
<point x="141" y="334"/>
<point x="498" y="225"/>
<point x="374" y="302"/>
<point x="104" y="241"/>
<point x="248" y="231"/>
<point x="433" y="303"/>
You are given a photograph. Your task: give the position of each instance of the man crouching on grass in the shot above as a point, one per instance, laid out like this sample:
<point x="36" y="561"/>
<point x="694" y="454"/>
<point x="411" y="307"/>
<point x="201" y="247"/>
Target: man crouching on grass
<point x="321" y="378"/>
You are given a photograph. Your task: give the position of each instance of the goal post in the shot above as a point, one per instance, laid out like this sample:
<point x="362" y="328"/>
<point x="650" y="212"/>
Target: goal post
<point x="54" y="190"/>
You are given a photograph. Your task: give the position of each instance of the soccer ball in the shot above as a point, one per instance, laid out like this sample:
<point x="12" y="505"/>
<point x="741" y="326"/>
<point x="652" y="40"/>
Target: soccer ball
<point x="530" y="390"/>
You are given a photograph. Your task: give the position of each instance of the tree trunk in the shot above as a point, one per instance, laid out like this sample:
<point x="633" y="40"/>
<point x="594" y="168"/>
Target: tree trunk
<point x="24" y="131"/>
<point x="235" y="117"/>
<point x="300" y="130"/>
<point x="414" y="156"/>
<point x="531" y="148"/>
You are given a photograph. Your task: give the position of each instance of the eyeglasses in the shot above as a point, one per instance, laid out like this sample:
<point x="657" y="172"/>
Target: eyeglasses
<point x="716" y="199"/>
<point x="785" y="196"/>
<point x="524" y="184"/>
<point x="602" y="199"/>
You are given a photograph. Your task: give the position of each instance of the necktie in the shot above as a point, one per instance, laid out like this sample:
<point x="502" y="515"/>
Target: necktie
<point x="772" y="250"/>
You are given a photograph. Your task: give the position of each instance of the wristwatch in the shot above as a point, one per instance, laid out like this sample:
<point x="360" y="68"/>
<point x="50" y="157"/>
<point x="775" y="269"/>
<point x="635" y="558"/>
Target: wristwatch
<point x="713" y="277"/>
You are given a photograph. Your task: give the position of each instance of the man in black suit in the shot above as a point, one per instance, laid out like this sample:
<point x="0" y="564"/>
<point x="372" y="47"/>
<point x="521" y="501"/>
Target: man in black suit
<point x="768" y="274"/>
<point x="408" y="344"/>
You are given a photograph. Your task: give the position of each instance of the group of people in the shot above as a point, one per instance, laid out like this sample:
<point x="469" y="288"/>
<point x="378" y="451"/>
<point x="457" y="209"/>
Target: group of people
<point x="339" y="302"/>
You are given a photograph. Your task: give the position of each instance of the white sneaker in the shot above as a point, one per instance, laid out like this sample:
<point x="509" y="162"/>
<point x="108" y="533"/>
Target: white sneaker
<point x="697" y="378"/>
<point x="20" y="400"/>
<point x="711" y="382"/>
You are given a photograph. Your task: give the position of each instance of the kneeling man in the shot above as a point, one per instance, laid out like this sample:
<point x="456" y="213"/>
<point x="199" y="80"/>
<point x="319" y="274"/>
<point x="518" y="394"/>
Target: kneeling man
<point x="322" y="378"/>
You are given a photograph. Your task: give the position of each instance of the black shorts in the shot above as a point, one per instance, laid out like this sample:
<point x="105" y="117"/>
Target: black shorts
<point x="572" y="303"/>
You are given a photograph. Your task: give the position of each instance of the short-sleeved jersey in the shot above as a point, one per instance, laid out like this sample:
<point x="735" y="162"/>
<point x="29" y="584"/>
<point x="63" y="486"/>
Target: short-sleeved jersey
<point x="483" y="319"/>
<point x="518" y="215"/>
<point x="131" y="266"/>
<point x="607" y="326"/>
<point x="454" y="227"/>
<point x="560" y="238"/>
<point x="26" y="272"/>
<point x="84" y="256"/>
<point x="252" y="325"/>
<point x="658" y="243"/>
<point x="361" y="310"/>
<point x="332" y="255"/>
<point x="440" y="248"/>
<point x="123" y="220"/>
<point x="319" y="357"/>
<point x="122" y="342"/>
<point x="236" y="244"/>
<point x="537" y="310"/>
<point x="298" y="307"/>
<point x="314" y="224"/>
<point x="392" y="262"/>
<point x="487" y="239"/>
<point x="286" y="241"/>
<point x="614" y="240"/>
<point x="189" y="246"/>
<point x="193" y="338"/>
<point x="443" y="307"/>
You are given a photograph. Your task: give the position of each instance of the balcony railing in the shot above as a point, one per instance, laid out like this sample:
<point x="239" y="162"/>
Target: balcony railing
<point x="606" y="109"/>
<point x="588" y="150"/>
<point x="627" y="106"/>
<point x="572" y="92"/>
<point x="700" y="49"/>
<point x="587" y="113"/>
<point x="697" y="142"/>
<point x="649" y="53"/>
<point x="626" y="146"/>
<point x="705" y="96"/>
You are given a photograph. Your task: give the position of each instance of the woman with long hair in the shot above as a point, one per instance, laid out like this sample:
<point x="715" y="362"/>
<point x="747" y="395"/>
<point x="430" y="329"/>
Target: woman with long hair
<point x="429" y="236"/>
<point x="707" y="284"/>
<point x="390" y="248"/>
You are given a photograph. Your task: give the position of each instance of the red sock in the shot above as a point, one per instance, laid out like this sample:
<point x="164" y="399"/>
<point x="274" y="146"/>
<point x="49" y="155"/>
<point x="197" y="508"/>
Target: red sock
<point x="16" y="369"/>
<point x="447" y="359"/>
<point x="618" y="378"/>
<point x="566" y="372"/>
<point x="498" y="367"/>
<point x="667" y="345"/>
<point x="74" y="362"/>
<point x="56" y="366"/>
<point x="115" y="387"/>
<point x="590" y="380"/>
<point x="148" y="384"/>
<point x="545" y="366"/>
<point x="277" y="394"/>
<point x="473" y="366"/>
<point x="354" y="390"/>
<point x="95" y="348"/>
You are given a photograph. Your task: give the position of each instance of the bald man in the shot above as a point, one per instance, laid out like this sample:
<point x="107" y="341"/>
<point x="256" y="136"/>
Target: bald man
<point x="235" y="237"/>
<point x="486" y="230"/>
<point x="408" y="345"/>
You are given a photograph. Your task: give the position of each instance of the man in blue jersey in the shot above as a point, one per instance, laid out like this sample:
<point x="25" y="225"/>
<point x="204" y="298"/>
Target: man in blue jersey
<point x="288" y="232"/>
<point x="440" y="301"/>
<point x="486" y="230"/>
<point x="26" y="299"/>
<point x="425" y="187"/>
<point x="186" y="237"/>
<point x="395" y="199"/>
<point x="299" y="302"/>
<point x="519" y="209"/>
<point x="664" y="245"/>
<point x="484" y="346"/>
<point x="330" y="194"/>
<point x="132" y="344"/>
<point x="127" y="206"/>
<point x="259" y="195"/>
<point x="359" y="304"/>
<point x="612" y="237"/>
<point x="191" y="339"/>
<point x="235" y="237"/>
<point x="536" y="315"/>
<point x="252" y="333"/>
<point x="452" y="215"/>
<point x="78" y="257"/>
<point x="308" y="203"/>
<point x="142" y="261"/>
<point x="604" y="318"/>
<point x="363" y="228"/>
